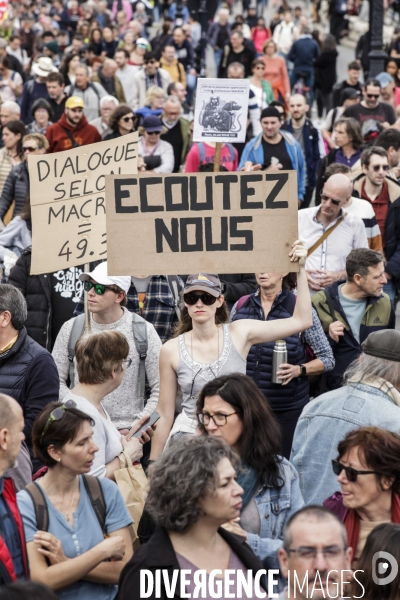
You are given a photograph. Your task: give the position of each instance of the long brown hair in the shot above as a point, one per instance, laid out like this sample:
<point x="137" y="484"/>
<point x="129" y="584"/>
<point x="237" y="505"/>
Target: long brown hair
<point x="185" y="324"/>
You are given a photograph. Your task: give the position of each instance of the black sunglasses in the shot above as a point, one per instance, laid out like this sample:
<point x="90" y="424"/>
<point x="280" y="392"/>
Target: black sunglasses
<point x="126" y="119"/>
<point x="192" y="298"/>
<point x="372" y="95"/>
<point x="377" y="168"/>
<point x="325" y="198"/>
<point x="99" y="288"/>
<point x="30" y="148"/>
<point x="351" y="473"/>
<point x="56" y="415"/>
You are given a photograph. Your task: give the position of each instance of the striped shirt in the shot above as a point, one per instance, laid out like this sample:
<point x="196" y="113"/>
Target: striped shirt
<point x="364" y="210"/>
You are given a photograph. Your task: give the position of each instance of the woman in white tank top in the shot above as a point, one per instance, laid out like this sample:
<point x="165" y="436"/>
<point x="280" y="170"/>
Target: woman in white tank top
<point x="206" y="346"/>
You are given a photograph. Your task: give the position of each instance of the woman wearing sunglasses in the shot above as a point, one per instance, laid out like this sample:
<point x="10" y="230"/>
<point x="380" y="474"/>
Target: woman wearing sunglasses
<point x="368" y="470"/>
<point x="101" y="362"/>
<point x="206" y="346"/>
<point x="72" y="556"/>
<point x="157" y="155"/>
<point x="233" y="409"/>
<point x="121" y="121"/>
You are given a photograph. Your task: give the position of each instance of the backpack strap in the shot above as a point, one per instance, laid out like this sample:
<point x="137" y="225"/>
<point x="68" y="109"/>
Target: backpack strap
<point x="330" y="304"/>
<point x="202" y="152"/>
<point x="73" y="141"/>
<point x="71" y="89"/>
<point x="40" y="505"/>
<point x="77" y="330"/>
<point x="95" y="493"/>
<point x="94" y="88"/>
<point x="173" y="283"/>
<point x="333" y="119"/>
<point x="139" y="327"/>
<point x="241" y="301"/>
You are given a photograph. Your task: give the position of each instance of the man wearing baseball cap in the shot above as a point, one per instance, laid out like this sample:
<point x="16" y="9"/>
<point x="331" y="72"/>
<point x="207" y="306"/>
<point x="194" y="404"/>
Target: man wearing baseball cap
<point x="107" y="297"/>
<point x="73" y="129"/>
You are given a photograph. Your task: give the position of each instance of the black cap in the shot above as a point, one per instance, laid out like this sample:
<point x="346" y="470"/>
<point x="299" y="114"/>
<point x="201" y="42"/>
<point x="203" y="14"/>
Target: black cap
<point x="383" y="344"/>
<point x="270" y="111"/>
<point x="349" y="94"/>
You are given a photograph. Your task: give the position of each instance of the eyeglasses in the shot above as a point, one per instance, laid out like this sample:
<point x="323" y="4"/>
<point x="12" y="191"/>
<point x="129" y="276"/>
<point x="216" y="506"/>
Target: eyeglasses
<point x="207" y="299"/>
<point x="56" y="415"/>
<point x="373" y="96"/>
<point x="128" y="362"/>
<point x="325" y="198"/>
<point x="306" y="554"/>
<point x="99" y="288"/>
<point x="219" y="419"/>
<point x="127" y="119"/>
<point x="153" y="132"/>
<point x="351" y="473"/>
<point x="30" y="148"/>
<point x="377" y="168"/>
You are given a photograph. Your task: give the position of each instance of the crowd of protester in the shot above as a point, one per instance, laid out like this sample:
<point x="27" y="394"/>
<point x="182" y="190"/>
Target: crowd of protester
<point x="249" y="465"/>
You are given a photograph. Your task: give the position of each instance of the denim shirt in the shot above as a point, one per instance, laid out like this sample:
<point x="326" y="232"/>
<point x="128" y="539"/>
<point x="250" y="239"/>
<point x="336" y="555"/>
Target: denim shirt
<point x="324" y="422"/>
<point x="275" y="506"/>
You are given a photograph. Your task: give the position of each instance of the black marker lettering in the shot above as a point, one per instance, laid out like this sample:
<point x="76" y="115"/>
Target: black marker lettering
<point x="171" y="237"/>
<point x="281" y="179"/>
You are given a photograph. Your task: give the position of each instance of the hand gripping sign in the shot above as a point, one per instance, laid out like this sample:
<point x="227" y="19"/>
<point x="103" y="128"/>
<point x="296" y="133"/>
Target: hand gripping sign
<point x="201" y="222"/>
<point x="68" y="203"/>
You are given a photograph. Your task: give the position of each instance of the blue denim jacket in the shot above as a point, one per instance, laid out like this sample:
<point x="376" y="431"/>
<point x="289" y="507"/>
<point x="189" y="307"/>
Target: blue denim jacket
<point x="275" y="507"/>
<point x="324" y="422"/>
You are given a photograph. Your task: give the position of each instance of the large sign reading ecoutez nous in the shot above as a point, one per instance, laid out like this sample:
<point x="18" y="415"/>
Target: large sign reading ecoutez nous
<point x="222" y="222"/>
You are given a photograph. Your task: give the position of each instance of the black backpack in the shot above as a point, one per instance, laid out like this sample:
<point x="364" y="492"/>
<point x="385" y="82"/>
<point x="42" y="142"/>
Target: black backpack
<point x="95" y="493"/>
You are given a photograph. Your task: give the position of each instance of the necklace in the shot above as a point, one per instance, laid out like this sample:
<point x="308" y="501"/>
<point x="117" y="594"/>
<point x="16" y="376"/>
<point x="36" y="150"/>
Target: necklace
<point x="194" y="397"/>
<point x="68" y="515"/>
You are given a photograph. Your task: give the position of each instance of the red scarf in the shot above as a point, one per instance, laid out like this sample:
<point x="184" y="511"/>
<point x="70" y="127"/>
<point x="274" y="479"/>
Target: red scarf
<point x="352" y="522"/>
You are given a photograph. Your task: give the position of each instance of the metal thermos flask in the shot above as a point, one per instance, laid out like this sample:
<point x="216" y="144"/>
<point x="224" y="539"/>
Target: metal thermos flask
<point x="279" y="358"/>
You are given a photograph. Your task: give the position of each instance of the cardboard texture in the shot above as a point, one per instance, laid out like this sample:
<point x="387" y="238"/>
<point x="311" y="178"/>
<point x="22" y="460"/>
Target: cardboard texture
<point x="201" y="222"/>
<point x="68" y="202"/>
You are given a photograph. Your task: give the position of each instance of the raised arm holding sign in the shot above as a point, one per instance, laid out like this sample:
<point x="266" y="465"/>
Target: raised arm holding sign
<point x="208" y="346"/>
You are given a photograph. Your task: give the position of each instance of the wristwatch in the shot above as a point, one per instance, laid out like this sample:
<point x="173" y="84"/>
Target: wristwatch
<point x="303" y="370"/>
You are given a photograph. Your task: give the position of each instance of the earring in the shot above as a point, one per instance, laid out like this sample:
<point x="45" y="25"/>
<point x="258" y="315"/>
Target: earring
<point x="59" y="460"/>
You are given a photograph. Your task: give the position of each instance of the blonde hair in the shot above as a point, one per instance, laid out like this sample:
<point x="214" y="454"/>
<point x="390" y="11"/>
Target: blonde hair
<point x="40" y="139"/>
<point x="154" y="92"/>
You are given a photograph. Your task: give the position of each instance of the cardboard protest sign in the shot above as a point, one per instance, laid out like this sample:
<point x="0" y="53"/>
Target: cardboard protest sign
<point x="221" y="110"/>
<point x="68" y="203"/>
<point x="201" y="222"/>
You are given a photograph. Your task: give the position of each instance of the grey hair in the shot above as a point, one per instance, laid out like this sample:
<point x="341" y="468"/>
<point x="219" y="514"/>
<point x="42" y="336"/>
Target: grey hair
<point x="13" y="106"/>
<point x="105" y="99"/>
<point x="12" y="300"/>
<point x="367" y="368"/>
<point x="186" y="472"/>
<point x="83" y="66"/>
<point x="174" y="100"/>
<point x="313" y="512"/>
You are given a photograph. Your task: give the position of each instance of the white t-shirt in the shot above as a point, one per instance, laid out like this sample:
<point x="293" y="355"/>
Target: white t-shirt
<point x="105" y="435"/>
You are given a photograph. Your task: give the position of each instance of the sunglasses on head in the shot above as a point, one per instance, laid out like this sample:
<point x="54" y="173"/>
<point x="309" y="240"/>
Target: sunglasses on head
<point x="351" y="473"/>
<point x="377" y="168"/>
<point x="192" y="298"/>
<point x="325" y="198"/>
<point x="99" y="288"/>
<point x="127" y="119"/>
<point x="56" y="415"/>
<point x="372" y="95"/>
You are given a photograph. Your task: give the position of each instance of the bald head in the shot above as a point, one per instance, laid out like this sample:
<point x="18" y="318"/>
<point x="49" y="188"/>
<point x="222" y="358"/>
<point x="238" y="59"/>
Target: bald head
<point x="339" y="185"/>
<point x="109" y="67"/>
<point x="298" y="107"/>
<point x="8" y="410"/>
